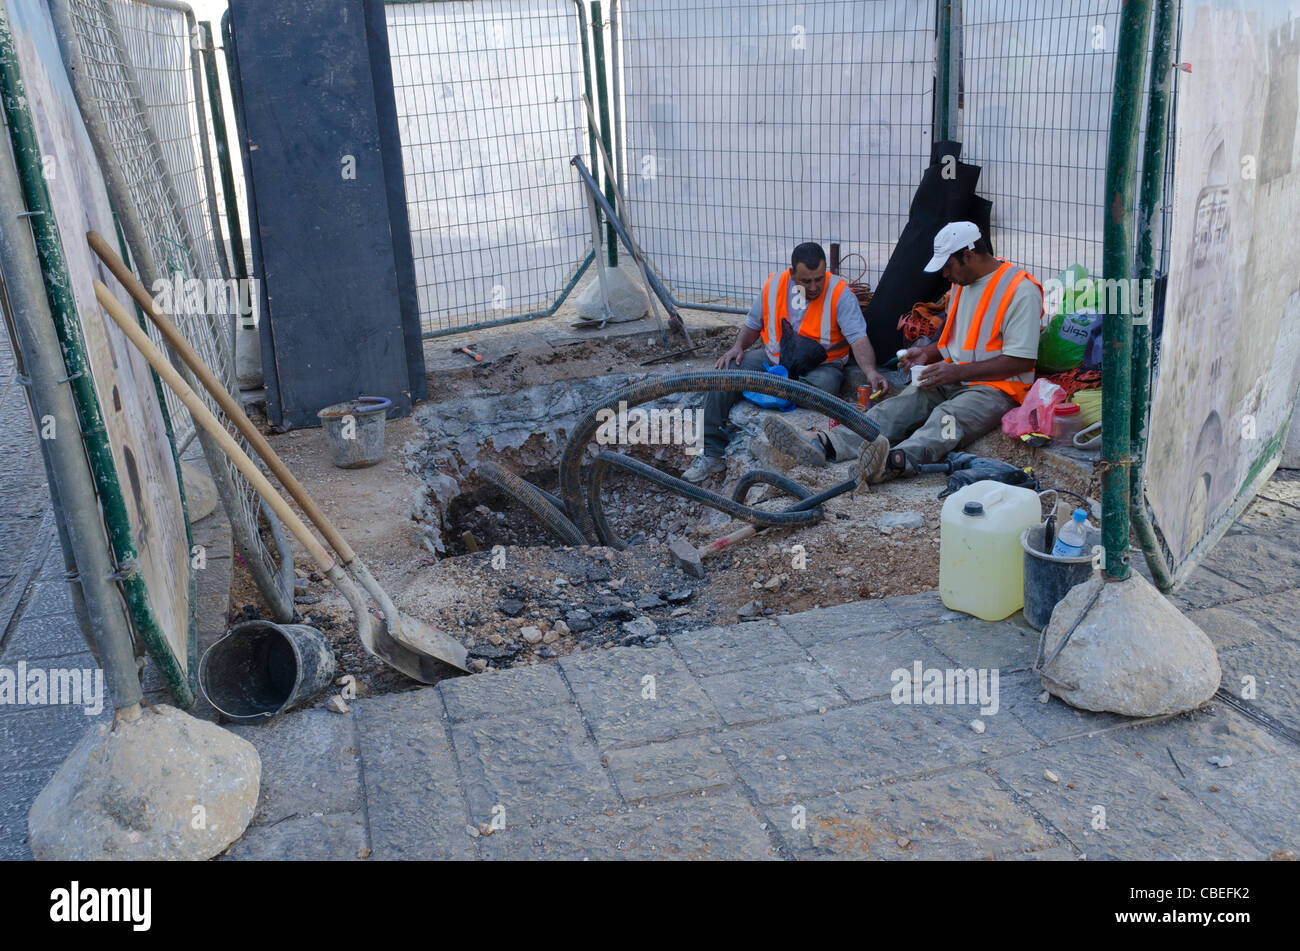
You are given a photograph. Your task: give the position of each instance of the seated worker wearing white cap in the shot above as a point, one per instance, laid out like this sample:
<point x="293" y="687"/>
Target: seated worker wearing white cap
<point x="981" y="367"/>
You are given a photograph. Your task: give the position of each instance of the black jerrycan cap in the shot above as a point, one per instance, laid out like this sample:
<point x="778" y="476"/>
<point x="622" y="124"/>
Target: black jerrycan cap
<point x="972" y="508"/>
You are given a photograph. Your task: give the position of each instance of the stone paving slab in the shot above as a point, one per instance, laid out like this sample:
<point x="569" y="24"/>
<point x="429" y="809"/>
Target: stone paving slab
<point x="863" y="666"/>
<point x="540" y="764"/>
<point x="1259" y="564"/>
<point x="48" y="597"/>
<point x="704" y="827"/>
<point x="669" y="768"/>
<point x="1227" y="627"/>
<point x="46" y="638"/>
<point x="310" y="766"/>
<point x="618" y="702"/>
<point x="1204" y="588"/>
<point x="1273" y="665"/>
<point x="1053" y="720"/>
<point x="1145" y="815"/>
<point x="845" y="620"/>
<point x="957" y="815"/>
<point x="725" y="650"/>
<point x="1277" y="613"/>
<point x="18" y="788"/>
<point x="809" y="756"/>
<point x="411" y="781"/>
<point x="750" y="696"/>
<point x="313" y="838"/>
<point x="971" y="642"/>
<point x="507" y="691"/>
<point x="924" y="608"/>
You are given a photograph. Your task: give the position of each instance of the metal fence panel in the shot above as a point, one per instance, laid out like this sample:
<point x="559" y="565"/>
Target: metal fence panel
<point x="1038" y="78"/>
<point x="138" y="85"/>
<point x="489" y="105"/>
<point x="752" y="126"/>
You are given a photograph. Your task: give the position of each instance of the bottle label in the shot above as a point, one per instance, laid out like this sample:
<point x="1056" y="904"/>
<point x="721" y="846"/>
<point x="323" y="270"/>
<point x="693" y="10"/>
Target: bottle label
<point x="1062" y="550"/>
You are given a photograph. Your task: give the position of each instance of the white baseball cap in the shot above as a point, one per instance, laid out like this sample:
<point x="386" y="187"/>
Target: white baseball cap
<point x="951" y="239"/>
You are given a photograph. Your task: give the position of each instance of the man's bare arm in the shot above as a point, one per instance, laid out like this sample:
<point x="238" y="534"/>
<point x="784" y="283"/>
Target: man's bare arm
<point x="744" y="341"/>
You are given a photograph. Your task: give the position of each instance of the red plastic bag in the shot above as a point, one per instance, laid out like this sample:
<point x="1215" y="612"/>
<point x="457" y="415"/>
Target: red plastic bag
<point x="1036" y="413"/>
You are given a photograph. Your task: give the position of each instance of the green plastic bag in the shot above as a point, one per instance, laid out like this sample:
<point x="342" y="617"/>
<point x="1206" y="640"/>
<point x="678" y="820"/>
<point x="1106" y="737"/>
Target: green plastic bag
<point x="1062" y="343"/>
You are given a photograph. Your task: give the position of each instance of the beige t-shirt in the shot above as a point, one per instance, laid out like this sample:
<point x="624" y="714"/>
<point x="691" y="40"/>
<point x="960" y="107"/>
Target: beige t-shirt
<point x="1020" y="326"/>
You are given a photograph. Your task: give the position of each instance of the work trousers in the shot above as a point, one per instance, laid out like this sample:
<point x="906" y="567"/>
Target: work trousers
<point x="927" y="424"/>
<point x="717" y="405"/>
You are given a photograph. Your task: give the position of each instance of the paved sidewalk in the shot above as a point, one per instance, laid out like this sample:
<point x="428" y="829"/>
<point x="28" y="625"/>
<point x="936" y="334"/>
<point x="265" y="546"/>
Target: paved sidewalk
<point x="37" y="623"/>
<point x="779" y="739"/>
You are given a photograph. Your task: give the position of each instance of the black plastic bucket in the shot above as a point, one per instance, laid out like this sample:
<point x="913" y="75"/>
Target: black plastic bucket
<point x="261" y="669"/>
<point x="1048" y="579"/>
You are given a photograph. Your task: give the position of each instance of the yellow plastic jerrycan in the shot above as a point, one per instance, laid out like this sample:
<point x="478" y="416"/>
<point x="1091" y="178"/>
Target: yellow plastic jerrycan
<point x="981" y="563"/>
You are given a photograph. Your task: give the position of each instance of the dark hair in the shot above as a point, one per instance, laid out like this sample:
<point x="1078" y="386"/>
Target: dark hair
<point x="809" y="254"/>
<point x="982" y="246"/>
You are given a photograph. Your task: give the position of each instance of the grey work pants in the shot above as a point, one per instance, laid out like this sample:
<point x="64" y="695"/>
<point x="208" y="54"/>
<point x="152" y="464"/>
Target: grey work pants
<point x="927" y="424"/>
<point x="717" y="405"/>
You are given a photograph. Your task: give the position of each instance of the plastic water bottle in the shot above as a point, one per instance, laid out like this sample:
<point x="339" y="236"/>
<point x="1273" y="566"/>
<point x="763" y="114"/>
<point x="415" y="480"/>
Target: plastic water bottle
<point x="1073" y="536"/>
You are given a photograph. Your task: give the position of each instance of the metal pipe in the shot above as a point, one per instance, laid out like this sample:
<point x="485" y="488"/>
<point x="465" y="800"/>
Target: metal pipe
<point x="238" y="261"/>
<point x="40" y="306"/>
<point x="660" y="291"/>
<point x="602" y="96"/>
<point x="1153" y="174"/>
<point x="520" y="318"/>
<point x="214" y="218"/>
<point x="945" y="100"/>
<point x="1117" y="328"/>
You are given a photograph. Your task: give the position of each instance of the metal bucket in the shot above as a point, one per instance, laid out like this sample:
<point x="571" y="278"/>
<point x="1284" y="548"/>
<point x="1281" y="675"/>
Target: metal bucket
<point x="261" y="669"/>
<point x="1048" y="578"/>
<point x="354" y="430"/>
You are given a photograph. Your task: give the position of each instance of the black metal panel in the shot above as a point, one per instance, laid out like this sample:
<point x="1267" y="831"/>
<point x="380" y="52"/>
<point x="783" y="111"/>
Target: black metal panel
<point x="332" y="325"/>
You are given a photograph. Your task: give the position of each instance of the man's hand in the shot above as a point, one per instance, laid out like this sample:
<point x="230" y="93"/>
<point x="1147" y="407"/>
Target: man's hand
<point x="879" y="385"/>
<point x="915" y="357"/>
<point x="941" y="374"/>
<point x="734" y="355"/>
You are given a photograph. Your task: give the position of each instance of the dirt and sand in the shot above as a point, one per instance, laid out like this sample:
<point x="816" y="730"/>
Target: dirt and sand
<point x="528" y="600"/>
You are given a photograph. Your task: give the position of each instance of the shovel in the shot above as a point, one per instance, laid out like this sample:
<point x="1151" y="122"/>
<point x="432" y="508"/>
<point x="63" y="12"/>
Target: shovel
<point x="401" y="641"/>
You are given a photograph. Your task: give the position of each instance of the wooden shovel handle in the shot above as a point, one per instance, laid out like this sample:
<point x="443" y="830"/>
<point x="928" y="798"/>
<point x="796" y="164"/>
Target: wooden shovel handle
<point x="218" y="391"/>
<point x="203" y="417"/>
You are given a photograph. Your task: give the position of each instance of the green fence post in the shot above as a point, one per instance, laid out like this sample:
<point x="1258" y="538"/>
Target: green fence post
<point x="945" y="99"/>
<point x="1117" y="327"/>
<point x="602" y="96"/>
<point x="1153" y="177"/>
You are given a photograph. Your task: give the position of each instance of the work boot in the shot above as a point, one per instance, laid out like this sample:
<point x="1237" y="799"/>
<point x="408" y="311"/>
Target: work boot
<point x="703" y="467"/>
<point x="806" y="449"/>
<point x="872" y="460"/>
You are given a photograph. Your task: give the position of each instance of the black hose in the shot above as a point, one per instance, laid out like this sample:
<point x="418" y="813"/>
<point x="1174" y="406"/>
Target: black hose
<point x="757" y="476"/>
<point x="543" y="506"/>
<point x="607" y="535"/>
<point x="801" y="394"/>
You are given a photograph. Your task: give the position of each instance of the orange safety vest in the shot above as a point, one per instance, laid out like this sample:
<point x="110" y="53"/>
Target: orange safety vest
<point x="818" y="322"/>
<point x="986" y="336"/>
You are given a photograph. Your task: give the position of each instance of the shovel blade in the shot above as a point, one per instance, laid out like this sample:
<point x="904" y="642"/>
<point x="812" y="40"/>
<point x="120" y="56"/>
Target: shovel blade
<point x="421" y="638"/>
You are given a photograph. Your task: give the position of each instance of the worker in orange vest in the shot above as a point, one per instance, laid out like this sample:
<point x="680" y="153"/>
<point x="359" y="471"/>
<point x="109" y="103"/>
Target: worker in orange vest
<point x="981" y="366"/>
<point x="818" y="306"/>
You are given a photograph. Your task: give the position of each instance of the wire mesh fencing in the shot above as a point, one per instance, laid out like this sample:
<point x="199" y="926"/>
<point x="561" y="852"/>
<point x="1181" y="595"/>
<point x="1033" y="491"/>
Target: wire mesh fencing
<point x="489" y="110"/>
<point x="753" y="126"/>
<point x="136" y="77"/>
